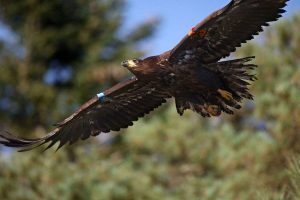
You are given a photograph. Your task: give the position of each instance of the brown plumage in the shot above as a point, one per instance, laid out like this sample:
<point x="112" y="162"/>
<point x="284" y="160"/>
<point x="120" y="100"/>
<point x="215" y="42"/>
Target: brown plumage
<point x="191" y="73"/>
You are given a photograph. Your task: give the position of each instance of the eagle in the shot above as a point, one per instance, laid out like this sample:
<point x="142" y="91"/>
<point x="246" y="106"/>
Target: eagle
<point x="192" y="73"/>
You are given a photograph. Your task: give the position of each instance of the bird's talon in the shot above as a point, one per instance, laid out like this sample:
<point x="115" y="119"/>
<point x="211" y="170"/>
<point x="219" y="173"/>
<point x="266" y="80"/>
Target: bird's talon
<point x="225" y="94"/>
<point x="214" y="110"/>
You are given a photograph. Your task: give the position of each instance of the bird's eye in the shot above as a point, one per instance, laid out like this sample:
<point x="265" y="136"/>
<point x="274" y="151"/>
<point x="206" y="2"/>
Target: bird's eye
<point x="135" y="60"/>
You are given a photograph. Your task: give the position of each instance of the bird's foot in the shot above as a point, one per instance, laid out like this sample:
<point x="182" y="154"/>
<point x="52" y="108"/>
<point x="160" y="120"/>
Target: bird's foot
<point x="225" y="94"/>
<point x="213" y="110"/>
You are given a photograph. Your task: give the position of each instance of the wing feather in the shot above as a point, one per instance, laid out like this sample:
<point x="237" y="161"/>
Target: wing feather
<point x="126" y="102"/>
<point x="226" y="29"/>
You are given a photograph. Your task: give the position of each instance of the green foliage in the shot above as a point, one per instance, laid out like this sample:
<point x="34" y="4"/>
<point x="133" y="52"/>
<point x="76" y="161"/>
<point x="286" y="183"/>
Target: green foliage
<point x="76" y="37"/>
<point x="251" y="155"/>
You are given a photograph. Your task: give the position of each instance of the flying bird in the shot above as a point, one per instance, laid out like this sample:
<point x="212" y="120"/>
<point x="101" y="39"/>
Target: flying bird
<point x="191" y="73"/>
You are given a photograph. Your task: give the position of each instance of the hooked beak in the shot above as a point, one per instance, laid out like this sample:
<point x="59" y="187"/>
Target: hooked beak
<point x="124" y="63"/>
<point x="128" y="64"/>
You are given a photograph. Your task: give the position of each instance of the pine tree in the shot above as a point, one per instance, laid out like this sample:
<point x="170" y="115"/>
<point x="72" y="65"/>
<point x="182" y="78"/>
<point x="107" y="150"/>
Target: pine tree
<point x="67" y="51"/>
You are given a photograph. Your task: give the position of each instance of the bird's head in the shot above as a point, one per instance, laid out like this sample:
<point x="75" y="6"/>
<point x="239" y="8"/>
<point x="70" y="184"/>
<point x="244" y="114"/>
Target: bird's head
<point x="141" y="67"/>
<point x="131" y="64"/>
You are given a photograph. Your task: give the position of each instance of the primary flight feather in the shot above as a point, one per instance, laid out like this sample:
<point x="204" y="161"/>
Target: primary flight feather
<point x="191" y="72"/>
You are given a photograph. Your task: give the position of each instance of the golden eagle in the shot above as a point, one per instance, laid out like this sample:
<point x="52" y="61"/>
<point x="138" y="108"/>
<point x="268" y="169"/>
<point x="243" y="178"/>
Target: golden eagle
<point x="191" y="72"/>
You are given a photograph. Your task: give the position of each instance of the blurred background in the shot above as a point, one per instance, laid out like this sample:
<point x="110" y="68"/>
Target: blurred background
<point x="55" y="55"/>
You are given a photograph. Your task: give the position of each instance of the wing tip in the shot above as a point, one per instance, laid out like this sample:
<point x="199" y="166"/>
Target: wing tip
<point x="9" y="140"/>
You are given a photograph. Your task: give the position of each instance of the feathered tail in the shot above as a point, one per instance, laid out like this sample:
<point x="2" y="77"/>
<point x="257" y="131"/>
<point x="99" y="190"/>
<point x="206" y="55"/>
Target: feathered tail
<point x="236" y="76"/>
<point x="231" y="78"/>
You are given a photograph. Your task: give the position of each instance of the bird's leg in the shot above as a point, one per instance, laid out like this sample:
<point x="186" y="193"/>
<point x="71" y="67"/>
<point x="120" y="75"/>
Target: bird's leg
<point x="225" y="94"/>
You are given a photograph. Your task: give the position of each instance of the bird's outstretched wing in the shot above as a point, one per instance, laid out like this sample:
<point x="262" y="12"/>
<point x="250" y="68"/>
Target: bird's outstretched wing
<point x="221" y="32"/>
<point x="111" y="110"/>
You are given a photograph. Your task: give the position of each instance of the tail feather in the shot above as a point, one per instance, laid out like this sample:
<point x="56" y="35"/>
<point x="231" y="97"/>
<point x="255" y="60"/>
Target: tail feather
<point x="225" y="108"/>
<point x="235" y="77"/>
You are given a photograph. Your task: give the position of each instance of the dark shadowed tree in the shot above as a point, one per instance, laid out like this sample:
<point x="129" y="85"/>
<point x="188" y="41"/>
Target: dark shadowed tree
<point x="65" y="52"/>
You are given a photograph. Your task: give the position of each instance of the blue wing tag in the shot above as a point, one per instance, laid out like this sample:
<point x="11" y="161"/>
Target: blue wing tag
<point x="101" y="97"/>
